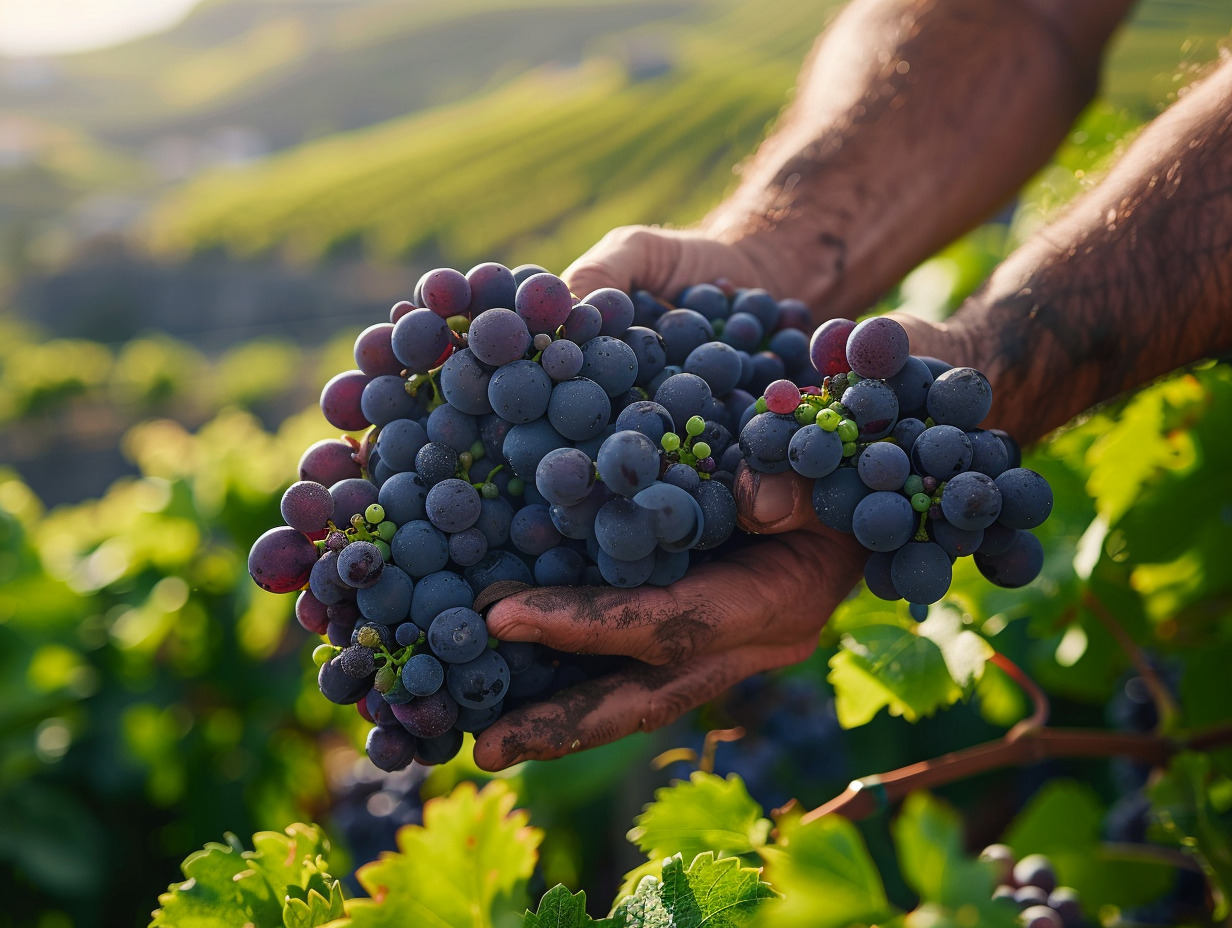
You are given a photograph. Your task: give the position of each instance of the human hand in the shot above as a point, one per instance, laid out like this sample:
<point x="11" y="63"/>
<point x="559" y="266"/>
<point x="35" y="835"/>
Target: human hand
<point x="753" y="608"/>
<point x="665" y="261"/>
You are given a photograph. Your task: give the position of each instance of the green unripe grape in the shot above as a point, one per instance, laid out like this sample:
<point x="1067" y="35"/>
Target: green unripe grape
<point x="489" y="490"/>
<point x="465" y="460"/>
<point x="805" y="414"/>
<point x="517" y="486"/>
<point x="322" y="653"/>
<point x="849" y="448"/>
<point x="701" y="450"/>
<point x="670" y="441"/>
<point x="695" y="426"/>
<point x="374" y="514"/>
<point x="847" y="430"/>
<point x="828" y="419"/>
<point x="386" y="530"/>
<point x="459" y="323"/>
<point x="383" y="546"/>
<point x="839" y="408"/>
<point x="368" y="637"/>
<point x="760" y="405"/>
<point x="853" y="378"/>
<point x="920" y="502"/>
<point x="913" y="485"/>
<point x="476" y="450"/>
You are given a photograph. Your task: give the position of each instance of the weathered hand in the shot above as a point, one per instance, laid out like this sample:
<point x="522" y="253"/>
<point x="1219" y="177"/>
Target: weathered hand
<point x="665" y="261"/>
<point x="757" y="607"/>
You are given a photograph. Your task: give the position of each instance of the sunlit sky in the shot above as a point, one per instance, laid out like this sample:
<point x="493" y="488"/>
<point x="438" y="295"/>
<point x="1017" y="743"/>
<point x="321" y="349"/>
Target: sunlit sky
<point x="42" y="27"/>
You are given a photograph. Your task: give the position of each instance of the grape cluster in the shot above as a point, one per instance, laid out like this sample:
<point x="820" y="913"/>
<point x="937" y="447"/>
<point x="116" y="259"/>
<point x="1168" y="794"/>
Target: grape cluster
<point x="1031" y="885"/>
<point x="893" y="444"/>
<point x="514" y="433"/>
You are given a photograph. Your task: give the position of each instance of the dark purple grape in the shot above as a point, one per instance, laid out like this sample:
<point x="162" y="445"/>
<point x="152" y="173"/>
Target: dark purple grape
<point x="873" y="406"/>
<point x="1017" y="566"/>
<point x="759" y="303"/>
<point x="352" y="497"/>
<point x="390" y="748"/>
<point x="385" y="399"/>
<point x="911" y="385"/>
<point x="717" y="364"/>
<point x="1036" y="870"/>
<point x="492" y="285"/>
<point x="941" y="452"/>
<point x="340" y="687"/>
<point x="311" y="613"/>
<point x="877" y="575"/>
<point x="921" y="572"/>
<point x="960" y="397"/>
<point x="584" y="323"/>
<point x="419" y="339"/>
<point x="883" y="521"/>
<point x="543" y="301"/>
<point x="340" y="401"/>
<point x="441" y="749"/>
<point x="561" y="360"/>
<point x="1039" y="916"/>
<point x="706" y="299"/>
<point x="281" y="560"/>
<point x="1001" y="858"/>
<point x="882" y="465"/>
<point x="682" y="331"/>
<point x="428" y="716"/>
<point x="988" y="454"/>
<point x="616" y="309"/>
<point x="835" y="498"/>
<point x="374" y="351"/>
<point x="498" y="336"/>
<point x="423" y="675"/>
<point x="464" y="383"/>
<point x="828" y="347"/>
<point x="306" y="506"/>
<point x="479" y="683"/>
<point x="360" y="564"/>
<point x="1026" y="498"/>
<point x="328" y="461"/>
<point x="877" y="348"/>
<point x="718" y="514"/>
<point x="446" y="292"/>
<point x="971" y="501"/>
<point x="400" y="309"/>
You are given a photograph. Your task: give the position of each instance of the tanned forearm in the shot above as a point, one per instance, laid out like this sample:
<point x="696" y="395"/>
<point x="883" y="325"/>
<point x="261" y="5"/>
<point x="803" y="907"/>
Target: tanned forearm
<point x="1133" y="281"/>
<point x="913" y="121"/>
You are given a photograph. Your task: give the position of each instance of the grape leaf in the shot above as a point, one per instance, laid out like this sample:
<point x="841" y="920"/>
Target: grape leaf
<point x="888" y="666"/>
<point x="717" y="893"/>
<point x="470" y="859"/>
<point x="1183" y="802"/>
<point x="963" y="651"/>
<point x="703" y="813"/>
<point x="560" y="908"/>
<point x="1064" y="820"/>
<point x="826" y="875"/>
<point x="953" y="888"/>
<point x="282" y="882"/>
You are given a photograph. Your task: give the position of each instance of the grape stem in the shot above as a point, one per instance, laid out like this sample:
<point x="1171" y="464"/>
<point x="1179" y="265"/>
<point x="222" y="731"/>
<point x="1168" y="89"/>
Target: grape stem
<point x="1165" y="705"/>
<point x="1038" y="718"/>
<point x="870" y="794"/>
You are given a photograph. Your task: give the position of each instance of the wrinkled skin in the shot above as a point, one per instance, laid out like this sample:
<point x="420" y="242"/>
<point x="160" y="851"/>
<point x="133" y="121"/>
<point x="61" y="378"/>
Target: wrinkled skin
<point x="750" y="609"/>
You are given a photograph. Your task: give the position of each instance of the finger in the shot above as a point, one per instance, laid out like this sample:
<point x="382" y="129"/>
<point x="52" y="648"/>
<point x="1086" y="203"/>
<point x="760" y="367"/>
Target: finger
<point x="656" y="625"/>
<point x="638" y="698"/>
<point x="663" y="261"/>
<point x="768" y="504"/>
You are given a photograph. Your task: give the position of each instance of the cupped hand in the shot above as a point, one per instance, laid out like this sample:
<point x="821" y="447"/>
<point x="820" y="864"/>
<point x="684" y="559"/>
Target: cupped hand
<point x="665" y="261"/>
<point x="757" y="606"/>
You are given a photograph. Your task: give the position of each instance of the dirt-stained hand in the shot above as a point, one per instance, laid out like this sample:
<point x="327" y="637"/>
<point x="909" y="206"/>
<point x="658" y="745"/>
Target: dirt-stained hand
<point x="758" y="607"/>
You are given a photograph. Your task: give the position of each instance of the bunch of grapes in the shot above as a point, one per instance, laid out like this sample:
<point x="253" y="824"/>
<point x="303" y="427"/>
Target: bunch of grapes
<point x="1031" y="885"/>
<point x="514" y="433"/>
<point x="894" y="446"/>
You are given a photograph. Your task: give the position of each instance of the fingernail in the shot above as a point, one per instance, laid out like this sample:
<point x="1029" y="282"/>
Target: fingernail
<point x="521" y="633"/>
<point x="773" y="501"/>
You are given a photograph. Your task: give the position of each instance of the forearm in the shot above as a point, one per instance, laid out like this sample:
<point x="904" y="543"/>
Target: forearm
<point x="914" y="120"/>
<point x="1133" y="281"/>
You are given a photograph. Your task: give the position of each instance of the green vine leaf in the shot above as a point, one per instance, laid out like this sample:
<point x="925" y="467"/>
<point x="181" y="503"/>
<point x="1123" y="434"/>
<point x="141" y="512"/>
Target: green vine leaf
<point x="282" y="882"/>
<point x="703" y="813"/>
<point x="560" y="908"/>
<point x="826" y="875"/>
<point x="886" y="666"/>
<point x="953" y="888"/>
<point x="466" y="865"/>
<point x="714" y="892"/>
<point x="1183" y="802"/>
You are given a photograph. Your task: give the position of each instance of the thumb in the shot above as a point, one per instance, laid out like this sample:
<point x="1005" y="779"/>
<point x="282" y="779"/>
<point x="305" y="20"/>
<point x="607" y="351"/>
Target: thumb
<point x="768" y="504"/>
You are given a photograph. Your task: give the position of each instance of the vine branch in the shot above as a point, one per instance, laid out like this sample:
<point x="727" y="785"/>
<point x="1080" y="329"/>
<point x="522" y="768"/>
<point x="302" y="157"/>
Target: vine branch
<point x="1165" y="705"/>
<point x="1038" y="718"/>
<point x="870" y="794"/>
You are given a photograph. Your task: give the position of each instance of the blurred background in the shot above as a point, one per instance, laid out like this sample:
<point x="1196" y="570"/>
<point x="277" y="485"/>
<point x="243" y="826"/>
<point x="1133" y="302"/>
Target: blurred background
<point x="201" y="204"/>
